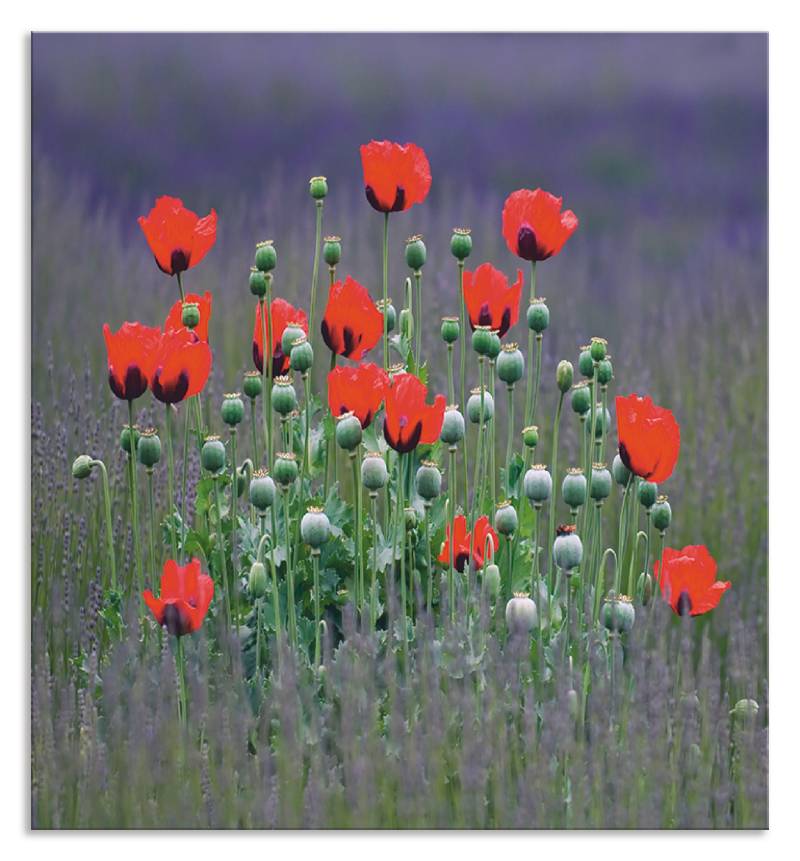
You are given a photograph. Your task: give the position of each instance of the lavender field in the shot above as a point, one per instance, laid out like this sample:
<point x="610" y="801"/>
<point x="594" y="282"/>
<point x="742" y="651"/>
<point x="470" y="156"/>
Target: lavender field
<point x="659" y="145"/>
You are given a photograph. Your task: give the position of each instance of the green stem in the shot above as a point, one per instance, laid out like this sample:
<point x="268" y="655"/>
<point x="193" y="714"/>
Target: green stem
<point x="418" y="351"/>
<point x="266" y="368"/>
<point x="171" y="480"/>
<point x="330" y="452"/>
<point x="451" y="395"/>
<point x="180" y="287"/>
<point x="453" y="493"/>
<point x="535" y="562"/>
<point x="234" y="506"/>
<point x="385" y="291"/>
<point x="357" y="580"/>
<point x="463" y="337"/>
<point x="276" y="598"/>
<point x="180" y="660"/>
<point x="152" y="530"/>
<point x="492" y="447"/>
<point x="223" y="568"/>
<point x="551" y="525"/>
<point x="289" y="572"/>
<point x="112" y="562"/>
<point x="400" y="521"/>
<point x="429" y="583"/>
<point x="373" y="504"/>
<point x="537" y="380"/>
<point x="317" y="611"/>
<point x="137" y="550"/>
<point x="600" y="582"/>
<point x="184" y="477"/>
<point x="317" y="238"/>
<point x="529" y="384"/>
<point x="510" y="437"/>
<point x="254" y="428"/>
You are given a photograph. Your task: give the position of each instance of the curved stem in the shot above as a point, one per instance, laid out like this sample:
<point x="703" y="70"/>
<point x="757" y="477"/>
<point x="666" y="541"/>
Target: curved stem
<point x="112" y="562"/>
<point x="600" y="581"/>
<point x="137" y="550"/>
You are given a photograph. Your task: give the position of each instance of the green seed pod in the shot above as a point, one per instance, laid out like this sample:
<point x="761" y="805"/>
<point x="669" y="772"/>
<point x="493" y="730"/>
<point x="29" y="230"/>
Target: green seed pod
<point x="125" y="438"/>
<point x="618" y="613"/>
<point x="453" y="426"/>
<point x="586" y="363"/>
<point x="530" y="436"/>
<point x="390" y="313"/>
<point x="602" y="421"/>
<point x="581" y="398"/>
<point x="451" y="329"/>
<point x="644" y="588"/>
<point x="428" y="480"/>
<point x="567" y="548"/>
<point x="745" y="710"/>
<point x="266" y="258"/>
<point x="416" y="253"/>
<point x="262" y="490"/>
<point x="605" y="372"/>
<point x="212" y="454"/>
<point x="82" y="466"/>
<point x="257" y="580"/>
<point x="285" y="469"/>
<point x="348" y="431"/>
<point x="253" y="386"/>
<point x="495" y="345"/>
<point x="601" y="482"/>
<point x="318" y="187"/>
<point x="232" y="409"/>
<point x="491" y="580"/>
<point x="461" y="243"/>
<point x="148" y="449"/>
<point x="290" y="334"/>
<point x="598" y="349"/>
<point x="284" y="397"/>
<point x="521" y="615"/>
<point x="258" y="282"/>
<point x="474" y="406"/>
<point x="510" y="364"/>
<point x="537" y="484"/>
<point x="538" y="315"/>
<point x="374" y="473"/>
<point x="301" y="357"/>
<point x="661" y="514"/>
<point x="410" y="518"/>
<point x="621" y="472"/>
<point x="332" y="250"/>
<point x="482" y="340"/>
<point x="505" y="518"/>
<point x="564" y="376"/>
<point x="315" y="528"/>
<point x="573" y="488"/>
<point x="190" y="314"/>
<point x="407" y="324"/>
<point x="648" y="493"/>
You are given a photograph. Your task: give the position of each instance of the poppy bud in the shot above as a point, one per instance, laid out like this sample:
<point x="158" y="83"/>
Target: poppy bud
<point x="530" y="436"/>
<point x="148" y="448"/>
<point x="474" y="406"/>
<point x="348" y="431"/>
<point x="605" y="372"/>
<point x="258" y="282"/>
<point x="573" y="488"/>
<point x="495" y="345"/>
<point x="318" y="187"/>
<point x="618" y="613"/>
<point x="125" y="438"/>
<point x="407" y="323"/>
<point x="451" y="329"/>
<point x="521" y="615"/>
<point x="564" y="376"/>
<point x="315" y="528"/>
<point x="586" y="363"/>
<point x="644" y="588"/>
<point x="387" y="309"/>
<point x="601" y="482"/>
<point x="212" y="454"/>
<point x="266" y="258"/>
<point x="510" y="364"/>
<point x="82" y="466"/>
<point x="301" y="357"/>
<point x="284" y="397"/>
<point x="491" y="580"/>
<point x="567" y="548"/>
<point x="453" y="427"/>
<point x="190" y="314"/>
<point x="598" y="349"/>
<point x="374" y="473"/>
<point x="257" y="580"/>
<point x="745" y="709"/>
<point x="538" y="315"/>
<point x="428" y="480"/>
<point x="621" y="472"/>
<point x="581" y="398"/>
<point x="285" y="469"/>
<point x="648" y="493"/>
<point x="661" y="514"/>
<point x="602" y="421"/>
<point x="410" y="517"/>
<point x="262" y="490"/>
<point x="482" y="340"/>
<point x="537" y="484"/>
<point x="253" y="386"/>
<point x="232" y="409"/>
<point x="461" y="243"/>
<point x="505" y="518"/>
<point x="332" y="250"/>
<point x="416" y="253"/>
<point x="290" y="334"/>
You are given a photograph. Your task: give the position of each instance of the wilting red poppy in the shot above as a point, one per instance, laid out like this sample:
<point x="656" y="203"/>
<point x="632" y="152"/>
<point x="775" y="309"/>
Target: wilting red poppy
<point x="688" y="580"/>
<point x="181" y="367"/>
<point x="462" y="539"/>
<point x="534" y="226"/>
<point x="490" y="299"/>
<point x="186" y="594"/>
<point x="409" y="421"/>
<point x="131" y="352"/>
<point x="175" y="317"/>
<point x="281" y="314"/>
<point x="352" y="324"/>
<point x="359" y="390"/>
<point x="649" y="438"/>
<point x="395" y="176"/>
<point x="178" y="238"/>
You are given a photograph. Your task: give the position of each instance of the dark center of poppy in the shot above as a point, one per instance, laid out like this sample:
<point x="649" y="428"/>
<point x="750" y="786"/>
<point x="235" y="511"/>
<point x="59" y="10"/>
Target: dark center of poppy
<point x="133" y="385"/>
<point x="174" y="621"/>
<point x="172" y="391"/>
<point x="527" y="247"/>
<point x="683" y="606"/>
<point x="397" y="205"/>
<point x="179" y="261"/>
<point x="484" y="315"/>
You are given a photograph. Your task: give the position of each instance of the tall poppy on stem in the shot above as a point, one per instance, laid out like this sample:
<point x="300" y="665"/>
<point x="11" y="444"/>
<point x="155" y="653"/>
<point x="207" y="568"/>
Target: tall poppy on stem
<point x="130" y="352"/>
<point x="409" y="420"/>
<point x="175" y="317"/>
<point x="534" y="226"/>
<point x="649" y="438"/>
<point x="688" y="580"/>
<point x="352" y="324"/>
<point x="490" y="299"/>
<point x="464" y="540"/>
<point x="281" y="315"/>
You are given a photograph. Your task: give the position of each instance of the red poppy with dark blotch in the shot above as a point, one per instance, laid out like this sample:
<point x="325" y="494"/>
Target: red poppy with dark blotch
<point x="281" y="314"/>
<point x="688" y="580"/>
<point x="352" y="324"/>
<point x="462" y="539"/>
<point x="178" y="237"/>
<point x="186" y="595"/>
<point x="175" y="317"/>
<point x="409" y="421"/>
<point x="357" y="389"/>
<point x="534" y="226"/>
<point x="490" y="299"/>
<point x="396" y="176"/>
<point x="131" y="352"/>
<point x="649" y="438"/>
<point x="182" y="366"/>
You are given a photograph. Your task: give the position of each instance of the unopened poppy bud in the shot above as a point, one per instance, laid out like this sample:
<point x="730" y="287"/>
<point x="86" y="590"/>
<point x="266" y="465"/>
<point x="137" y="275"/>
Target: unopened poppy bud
<point x="148" y="449"/>
<point x="461" y="243"/>
<point x="428" y="480"/>
<point x="451" y="329"/>
<point x="258" y="282"/>
<point x="564" y="376"/>
<point x="618" y="613"/>
<point x="745" y="709"/>
<point x="661" y="513"/>
<point x="301" y="357"/>
<point x="482" y="340"/>
<point x="82" y="466"/>
<point x="521" y="615"/>
<point x="621" y="472"/>
<point x="474" y="406"/>
<point x="505" y="518"/>
<point x="315" y="528"/>
<point x="125" y="438"/>
<point x="510" y="364"/>
<point x="212" y="454"/>
<point x="573" y="488"/>
<point x="605" y="372"/>
<point x="598" y="349"/>
<point x="538" y="315"/>
<point x="388" y="311"/>
<point x="407" y="323"/>
<point x="257" y="580"/>
<point x="285" y="469"/>
<point x="318" y="187"/>
<point x="348" y="431"/>
<point x="586" y="363"/>
<point x="332" y="250"/>
<point x="530" y="436"/>
<point x="284" y="397"/>
<point x="602" y="421"/>
<point x="232" y="409"/>
<point x="190" y="314"/>
<point x="290" y="334"/>
<point x="266" y="258"/>
<point x="374" y="473"/>
<point x="253" y="386"/>
<point x="262" y="490"/>
<point x="581" y="398"/>
<point x="453" y="426"/>
<point x="644" y="588"/>
<point x="537" y="484"/>
<point x="495" y="345"/>
<point x="567" y="548"/>
<point x="416" y="253"/>
<point x="648" y="493"/>
<point x="410" y="517"/>
<point x="601" y="482"/>
<point x="491" y="580"/>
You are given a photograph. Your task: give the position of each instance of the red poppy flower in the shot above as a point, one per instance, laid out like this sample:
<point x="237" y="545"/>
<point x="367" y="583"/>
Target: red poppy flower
<point x="462" y="539"/>
<point x="352" y="324"/>
<point x="181" y="367"/>
<point x="175" y="320"/>
<point x="395" y="176"/>
<point x="649" y="438"/>
<point x="489" y="298"/>
<point x="281" y="314"/>
<point x="688" y="580"/>
<point x="409" y="421"/>
<point x="359" y="390"/>
<point x="534" y="226"/>
<point x="178" y="238"/>
<point x="186" y="594"/>
<point x="130" y="358"/>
